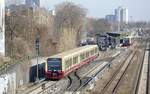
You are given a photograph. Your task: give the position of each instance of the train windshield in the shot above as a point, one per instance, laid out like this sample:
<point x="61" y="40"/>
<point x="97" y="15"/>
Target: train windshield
<point x="54" y="64"/>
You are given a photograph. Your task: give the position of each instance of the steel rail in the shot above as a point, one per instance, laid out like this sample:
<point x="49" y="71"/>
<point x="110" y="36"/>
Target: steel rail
<point x="115" y="74"/>
<point x="138" y="76"/>
<point x="123" y="75"/>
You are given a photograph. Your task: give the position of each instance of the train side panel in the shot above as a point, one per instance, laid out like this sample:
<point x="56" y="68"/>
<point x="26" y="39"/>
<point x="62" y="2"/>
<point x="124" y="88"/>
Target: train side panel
<point x="79" y="60"/>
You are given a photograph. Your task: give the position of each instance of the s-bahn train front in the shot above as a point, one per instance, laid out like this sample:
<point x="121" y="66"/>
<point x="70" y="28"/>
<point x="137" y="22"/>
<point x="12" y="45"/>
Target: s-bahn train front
<point x="53" y="68"/>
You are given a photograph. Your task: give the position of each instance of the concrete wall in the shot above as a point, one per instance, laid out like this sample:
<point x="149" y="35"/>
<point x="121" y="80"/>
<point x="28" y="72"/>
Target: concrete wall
<point x="14" y="77"/>
<point x="22" y="73"/>
<point x="8" y="84"/>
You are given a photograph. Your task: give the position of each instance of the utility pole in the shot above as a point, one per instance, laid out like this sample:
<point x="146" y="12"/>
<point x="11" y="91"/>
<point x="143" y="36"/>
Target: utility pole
<point x="37" y="46"/>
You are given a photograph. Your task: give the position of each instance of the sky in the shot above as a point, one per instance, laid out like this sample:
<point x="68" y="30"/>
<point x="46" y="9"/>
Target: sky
<point x="138" y="9"/>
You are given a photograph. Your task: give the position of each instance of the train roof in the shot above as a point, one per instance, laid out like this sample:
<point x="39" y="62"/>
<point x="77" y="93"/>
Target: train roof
<point x="73" y="51"/>
<point x="40" y="61"/>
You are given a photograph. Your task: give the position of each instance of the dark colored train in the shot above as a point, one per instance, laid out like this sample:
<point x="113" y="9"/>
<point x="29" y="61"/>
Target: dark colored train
<point x="33" y="69"/>
<point x="112" y="42"/>
<point x="104" y="41"/>
<point x="88" y="41"/>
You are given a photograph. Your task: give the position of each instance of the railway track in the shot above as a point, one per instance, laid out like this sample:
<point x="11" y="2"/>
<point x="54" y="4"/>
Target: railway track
<point x="148" y="74"/>
<point x="130" y="82"/>
<point x="50" y="89"/>
<point x="74" y="82"/>
<point x="120" y="74"/>
<point x="92" y="78"/>
<point x="139" y="71"/>
<point x="86" y="79"/>
<point x="41" y="87"/>
<point x="143" y="80"/>
<point x="116" y="73"/>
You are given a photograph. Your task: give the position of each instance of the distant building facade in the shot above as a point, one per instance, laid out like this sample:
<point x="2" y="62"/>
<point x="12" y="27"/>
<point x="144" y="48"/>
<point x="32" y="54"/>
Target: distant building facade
<point x="119" y="19"/>
<point x="110" y="18"/>
<point x="2" y="27"/>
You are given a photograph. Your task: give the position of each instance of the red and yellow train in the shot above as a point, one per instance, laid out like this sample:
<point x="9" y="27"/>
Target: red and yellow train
<point x="60" y="65"/>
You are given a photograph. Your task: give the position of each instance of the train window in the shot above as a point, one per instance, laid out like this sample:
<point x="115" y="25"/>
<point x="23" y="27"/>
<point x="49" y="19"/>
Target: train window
<point x="66" y="64"/>
<point x="87" y="54"/>
<point x="75" y="60"/>
<point x="81" y="57"/>
<point x="84" y="55"/>
<point x="95" y="50"/>
<point x="91" y="52"/>
<point x="70" y="62"/>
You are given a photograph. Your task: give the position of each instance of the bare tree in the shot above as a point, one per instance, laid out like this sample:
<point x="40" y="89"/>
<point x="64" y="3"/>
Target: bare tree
<point x="67" y="23"/>
<point x="99" y="26"/>
<point x="22" y="26"/>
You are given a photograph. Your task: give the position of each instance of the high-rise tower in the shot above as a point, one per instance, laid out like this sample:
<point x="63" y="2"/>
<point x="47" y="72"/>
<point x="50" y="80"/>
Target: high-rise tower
<point x="124" y="16"/>
<point x="121" y="15"/>
<point x="121" y="18"/>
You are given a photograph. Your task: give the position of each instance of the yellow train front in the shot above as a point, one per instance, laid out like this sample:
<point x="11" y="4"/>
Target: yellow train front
<point x="62" y="64"/>
<point x="53" y="68"/>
